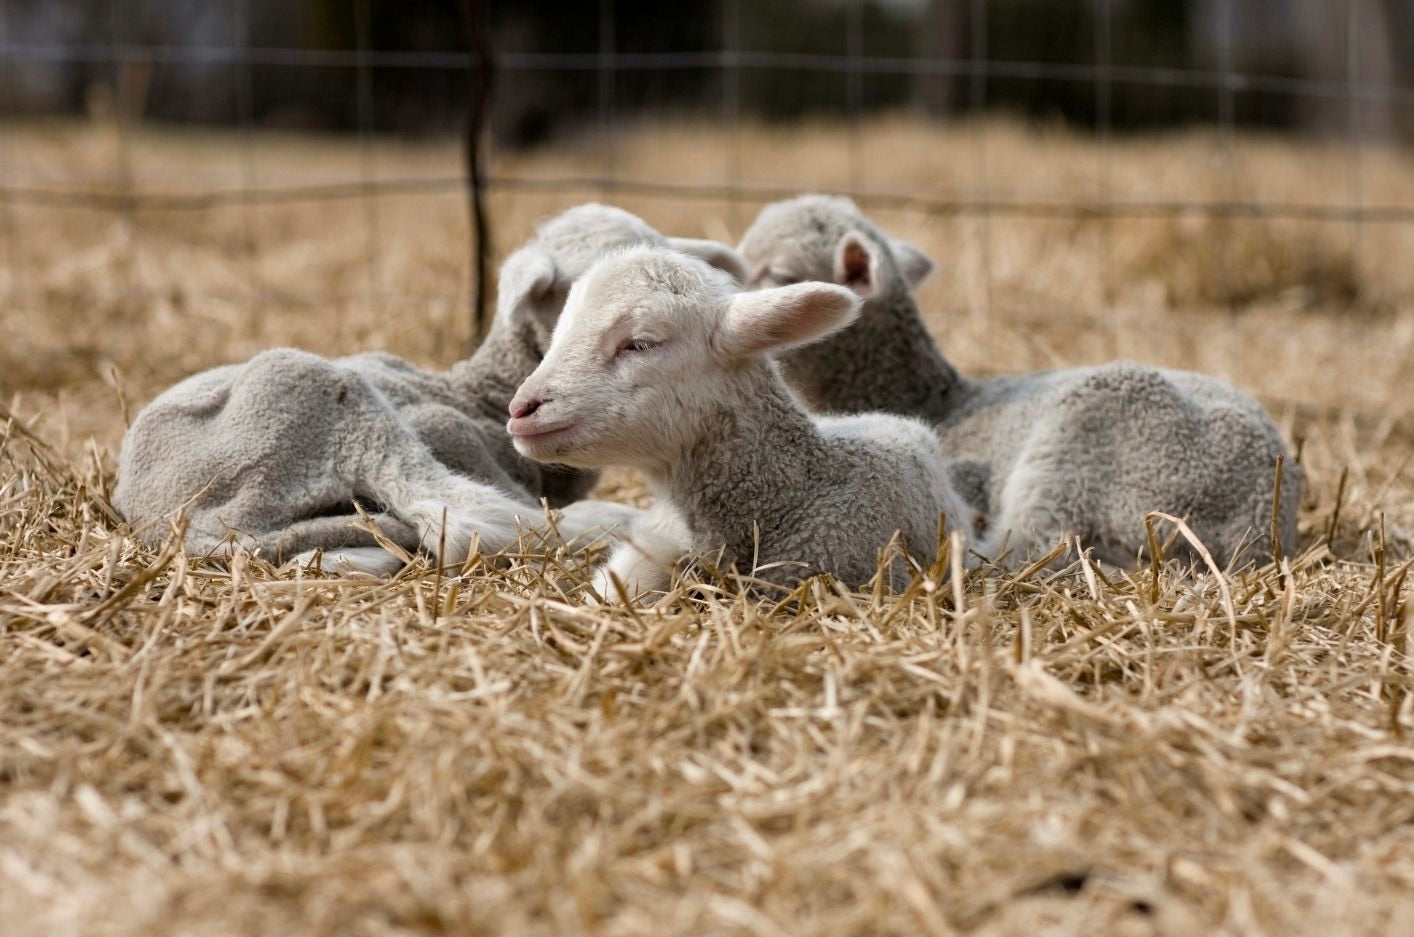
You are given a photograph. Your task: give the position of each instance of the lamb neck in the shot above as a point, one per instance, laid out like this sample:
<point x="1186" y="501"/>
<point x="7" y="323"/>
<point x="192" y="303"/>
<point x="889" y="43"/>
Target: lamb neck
<point x="894" y="366"/>
<point x="485" y="383"/>
<point x="490" y="377"/>
<point x="749" y="460"/>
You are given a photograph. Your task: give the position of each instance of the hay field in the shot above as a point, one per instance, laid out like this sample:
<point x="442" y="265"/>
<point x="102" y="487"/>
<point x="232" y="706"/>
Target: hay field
<point x="189" y="749"/>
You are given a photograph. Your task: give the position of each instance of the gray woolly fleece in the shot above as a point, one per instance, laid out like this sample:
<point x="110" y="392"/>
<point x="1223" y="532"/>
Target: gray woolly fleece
<point x="795" y="496"/>
<point x="1086" y="451"/>
<point x="275" y="452"/>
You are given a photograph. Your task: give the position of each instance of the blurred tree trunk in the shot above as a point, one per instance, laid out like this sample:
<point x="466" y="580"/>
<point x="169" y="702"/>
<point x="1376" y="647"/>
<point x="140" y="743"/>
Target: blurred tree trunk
<point x="943" y="33"/>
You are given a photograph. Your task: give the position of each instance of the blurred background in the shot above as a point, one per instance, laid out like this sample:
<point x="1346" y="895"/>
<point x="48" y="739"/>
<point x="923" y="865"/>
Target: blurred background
<point x="1225" y="185"/>
<point x="403" y="67"/>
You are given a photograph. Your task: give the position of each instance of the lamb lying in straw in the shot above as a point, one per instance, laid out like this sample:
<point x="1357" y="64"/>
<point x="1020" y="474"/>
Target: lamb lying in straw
<point x="274" y="454"/>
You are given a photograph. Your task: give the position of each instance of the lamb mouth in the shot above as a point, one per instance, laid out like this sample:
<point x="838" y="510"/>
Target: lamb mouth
<point x="538" y="438"/>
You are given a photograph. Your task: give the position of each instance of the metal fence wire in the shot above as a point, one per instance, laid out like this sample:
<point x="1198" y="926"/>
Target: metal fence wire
<point x="487" y="68"/>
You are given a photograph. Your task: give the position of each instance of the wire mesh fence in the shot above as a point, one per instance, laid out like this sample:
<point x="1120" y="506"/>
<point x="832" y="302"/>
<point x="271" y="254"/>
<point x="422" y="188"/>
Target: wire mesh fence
<point x="482" y="62"/>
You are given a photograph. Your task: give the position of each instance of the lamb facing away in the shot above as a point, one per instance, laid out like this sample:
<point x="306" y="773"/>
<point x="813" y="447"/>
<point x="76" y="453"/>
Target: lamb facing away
<point x="661" y="364"/>
<point x="273" y="454"/>
<point x="1085" y="451"/>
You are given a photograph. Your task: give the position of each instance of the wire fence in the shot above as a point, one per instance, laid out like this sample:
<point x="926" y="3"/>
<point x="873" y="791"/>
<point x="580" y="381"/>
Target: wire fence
<point x="486" y="67"/>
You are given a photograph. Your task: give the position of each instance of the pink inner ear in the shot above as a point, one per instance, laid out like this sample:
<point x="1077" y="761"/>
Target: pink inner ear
<point x="855" y="260"/>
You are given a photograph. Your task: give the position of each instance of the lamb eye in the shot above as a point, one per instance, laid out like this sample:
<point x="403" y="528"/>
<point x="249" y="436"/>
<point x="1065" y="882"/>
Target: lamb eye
<point x="636" y="345"/>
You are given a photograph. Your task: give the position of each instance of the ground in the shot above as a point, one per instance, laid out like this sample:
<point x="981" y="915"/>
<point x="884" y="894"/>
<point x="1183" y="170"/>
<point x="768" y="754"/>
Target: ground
<point x="190" y="749"/>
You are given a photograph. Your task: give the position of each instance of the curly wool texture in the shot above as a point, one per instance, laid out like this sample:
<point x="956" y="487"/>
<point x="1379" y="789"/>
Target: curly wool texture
<point x="274" y="452"/>
<point x="1082" y="452"/>
<point x="792" y="495"/>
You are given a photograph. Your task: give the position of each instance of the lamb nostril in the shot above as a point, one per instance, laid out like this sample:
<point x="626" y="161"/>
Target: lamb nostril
<point x="519" y="411"/>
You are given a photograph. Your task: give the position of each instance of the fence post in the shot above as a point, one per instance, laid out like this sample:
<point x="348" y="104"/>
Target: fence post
<point x="481" y="72"/>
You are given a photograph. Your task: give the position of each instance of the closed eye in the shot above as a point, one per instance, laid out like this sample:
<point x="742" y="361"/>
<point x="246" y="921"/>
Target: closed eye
<point x="778" y="278"/>
<point x="635" y="345"/>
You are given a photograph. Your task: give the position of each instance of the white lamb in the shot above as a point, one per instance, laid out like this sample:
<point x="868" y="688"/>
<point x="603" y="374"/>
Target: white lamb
<point x="1085" y="451"/>
<point x="661" y="364"/>
<point x="273" y="454"/>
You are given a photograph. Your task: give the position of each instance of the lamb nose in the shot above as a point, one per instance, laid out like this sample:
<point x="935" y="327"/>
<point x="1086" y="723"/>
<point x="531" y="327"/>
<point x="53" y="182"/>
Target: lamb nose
<point x="518" y="411"/>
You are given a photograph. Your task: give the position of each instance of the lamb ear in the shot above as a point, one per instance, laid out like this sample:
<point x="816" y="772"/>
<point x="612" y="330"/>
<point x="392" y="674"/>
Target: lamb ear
<point x="715" y="253"/>
<point x="526" y="276"/>
<point x="784" y="317"/>
<point x="857" y="264"/>
<point x="914" y="264"/>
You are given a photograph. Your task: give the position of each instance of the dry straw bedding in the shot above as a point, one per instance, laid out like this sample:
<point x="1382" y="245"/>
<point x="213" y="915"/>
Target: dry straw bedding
<point x="186" y="748"/>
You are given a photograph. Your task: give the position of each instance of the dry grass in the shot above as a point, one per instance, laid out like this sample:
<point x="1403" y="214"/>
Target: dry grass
<point x="190" y="750"/>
